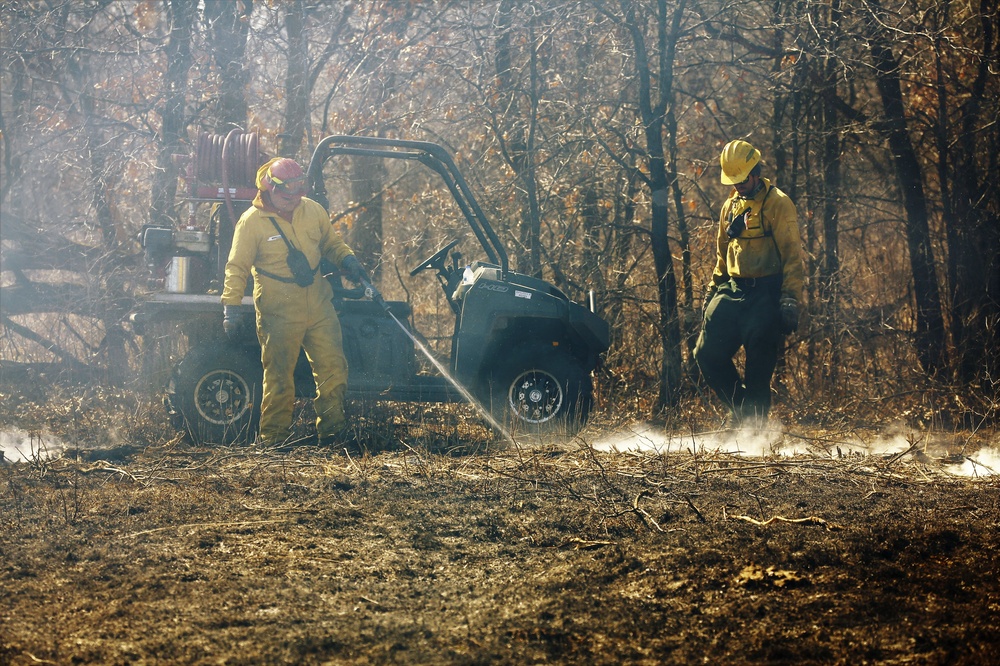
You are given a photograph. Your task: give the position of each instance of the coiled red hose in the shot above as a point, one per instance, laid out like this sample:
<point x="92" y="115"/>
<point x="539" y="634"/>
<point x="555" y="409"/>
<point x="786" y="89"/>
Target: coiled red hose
<point x="230" y="161"/>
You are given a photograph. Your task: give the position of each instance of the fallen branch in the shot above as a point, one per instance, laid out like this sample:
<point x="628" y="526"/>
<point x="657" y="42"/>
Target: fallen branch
<point x="899" y="455"/>
<point x="644" y="515"/>
<point x="44" y="343"/>
<point x="701" y="518"/>
<point x="112" y="471"/>
<point x="811" y="520"/>
<point x="243" y="523"/>
<point x="584" y="544"/>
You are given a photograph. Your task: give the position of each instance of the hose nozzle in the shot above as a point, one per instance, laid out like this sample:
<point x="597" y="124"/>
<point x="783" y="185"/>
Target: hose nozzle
<point x="373" y="294"/>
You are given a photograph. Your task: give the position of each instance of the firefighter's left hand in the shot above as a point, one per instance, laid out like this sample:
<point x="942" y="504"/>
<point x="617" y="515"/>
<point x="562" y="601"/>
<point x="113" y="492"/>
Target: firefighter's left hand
<point x="353" y="269"/>
<point x="710" y="291"/>
<point x="233" y="321"/>
<point x="789" y="315"/>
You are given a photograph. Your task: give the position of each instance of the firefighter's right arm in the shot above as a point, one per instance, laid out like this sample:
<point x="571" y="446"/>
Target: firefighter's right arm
<point x="241" y="258"/>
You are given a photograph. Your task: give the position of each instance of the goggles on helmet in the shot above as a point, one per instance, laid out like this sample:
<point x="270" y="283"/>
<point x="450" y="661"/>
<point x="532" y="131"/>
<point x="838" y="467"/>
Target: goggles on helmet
<point x="290" y="185"/>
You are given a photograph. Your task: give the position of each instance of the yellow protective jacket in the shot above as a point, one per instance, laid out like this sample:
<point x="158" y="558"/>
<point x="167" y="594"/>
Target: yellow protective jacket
<point x="257" y="244"/>
<point x="769" y="245"/>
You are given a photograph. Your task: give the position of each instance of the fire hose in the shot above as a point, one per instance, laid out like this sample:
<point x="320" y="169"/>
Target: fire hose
<point x="234" y="159"/>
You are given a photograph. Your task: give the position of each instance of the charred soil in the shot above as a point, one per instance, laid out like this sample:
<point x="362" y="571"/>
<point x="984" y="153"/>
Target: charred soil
<point x="426" y="549"/>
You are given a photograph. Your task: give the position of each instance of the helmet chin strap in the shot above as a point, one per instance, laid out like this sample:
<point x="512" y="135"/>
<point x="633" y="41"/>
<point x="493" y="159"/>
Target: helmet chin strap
<point x="755" y="191"/>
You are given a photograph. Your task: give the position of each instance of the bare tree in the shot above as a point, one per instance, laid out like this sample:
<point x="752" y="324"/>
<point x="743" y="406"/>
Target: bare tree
<point x="180" y="18"/>
<point x="69" y="260"/>
<point x="930" y="332"/>
<point x="228" y="25"/>
<point x="968" y="155"/>
<point x="655" y="102"/>
<point x="515" y="130"/>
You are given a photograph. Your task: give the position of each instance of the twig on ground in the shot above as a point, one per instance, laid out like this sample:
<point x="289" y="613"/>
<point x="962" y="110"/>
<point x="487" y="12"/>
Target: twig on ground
<point x="289" y="509"/>
<point x="913" y="445"/>
<point x="242" y="523"/>
<point x="811" y="520"/>
<point x="584" y="544"/>
<point x="701" y="518"/>
<point x="112" y="470"/>
<point x="644" y="515"/>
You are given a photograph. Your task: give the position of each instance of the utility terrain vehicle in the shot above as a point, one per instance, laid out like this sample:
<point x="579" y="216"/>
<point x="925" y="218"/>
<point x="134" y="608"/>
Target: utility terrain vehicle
<point x="518" y="344"/>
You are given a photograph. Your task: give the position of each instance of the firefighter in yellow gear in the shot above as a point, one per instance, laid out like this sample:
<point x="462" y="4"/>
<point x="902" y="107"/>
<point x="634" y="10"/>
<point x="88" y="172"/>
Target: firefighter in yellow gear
<point x="753" y="297"/>
<point x="280" y="240"/>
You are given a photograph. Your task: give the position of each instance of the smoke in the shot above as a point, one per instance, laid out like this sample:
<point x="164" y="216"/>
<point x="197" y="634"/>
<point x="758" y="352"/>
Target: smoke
<point x="985" y="462"/>
<point x="773" y="441"/>
<point x="19" y="446"/>
<point x="646" y="437"/>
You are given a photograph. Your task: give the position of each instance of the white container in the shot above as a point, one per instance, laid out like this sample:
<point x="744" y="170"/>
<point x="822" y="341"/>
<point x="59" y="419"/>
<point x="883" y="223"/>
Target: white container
<point x="179" y="275"/>
<point x="191" y="240"/>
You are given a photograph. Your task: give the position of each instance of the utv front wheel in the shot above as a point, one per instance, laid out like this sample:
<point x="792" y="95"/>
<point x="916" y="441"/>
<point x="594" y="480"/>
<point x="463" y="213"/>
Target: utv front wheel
<point x="540" y="390"/>
<point x="217" y="391"/>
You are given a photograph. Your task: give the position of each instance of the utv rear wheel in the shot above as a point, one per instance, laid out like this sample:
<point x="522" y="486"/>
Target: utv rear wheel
<point x="217" y="391"/>
<point x="540" y="390"/>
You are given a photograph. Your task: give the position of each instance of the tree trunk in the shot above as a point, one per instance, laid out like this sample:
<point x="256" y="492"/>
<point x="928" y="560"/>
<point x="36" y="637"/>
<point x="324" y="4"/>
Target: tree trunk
<point x="296" y="76"/>
<point x="181" y="15"/>
<point x="111" y="282"/>
<point x="519" y="139"/>
<point x="973" y="231"/>
<point x="829" y="268"/>
<point x="367" y="182"/>
<point x="228" y="25"/>
<point x="930" y="331"/>
<point x="660" y="186"/>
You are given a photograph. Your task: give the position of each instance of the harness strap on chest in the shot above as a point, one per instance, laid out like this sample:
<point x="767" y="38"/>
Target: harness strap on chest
<point x="768" y="230"/>
<point x="279" y="278"/>
<point x="291" y="248"/>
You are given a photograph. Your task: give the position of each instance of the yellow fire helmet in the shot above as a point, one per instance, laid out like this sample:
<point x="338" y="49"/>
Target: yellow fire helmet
<point x="738" y="159"/>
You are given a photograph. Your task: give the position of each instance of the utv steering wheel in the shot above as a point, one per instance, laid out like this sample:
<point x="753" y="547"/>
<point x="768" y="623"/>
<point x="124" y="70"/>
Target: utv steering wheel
<point x="436" y="260"/>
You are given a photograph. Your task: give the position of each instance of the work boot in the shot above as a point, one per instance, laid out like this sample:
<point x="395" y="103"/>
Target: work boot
<point x="342" y="440"/>
<point x="288" y="444"/>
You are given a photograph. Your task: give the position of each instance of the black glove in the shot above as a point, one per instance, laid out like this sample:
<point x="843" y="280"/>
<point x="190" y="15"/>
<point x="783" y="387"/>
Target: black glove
<point x="352" y="268"/>
<point x="709" y="294"/>
<point x="789" y="315"/>
<point x="234" y="320"/>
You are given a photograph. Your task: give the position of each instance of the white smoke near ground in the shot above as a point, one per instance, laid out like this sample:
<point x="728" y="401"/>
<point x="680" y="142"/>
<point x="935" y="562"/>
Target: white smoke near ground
<point x="20" y="446"/>
<point x="773" y="441"/>
<point x="985" y="462"/>
<point x="649" y="438"/>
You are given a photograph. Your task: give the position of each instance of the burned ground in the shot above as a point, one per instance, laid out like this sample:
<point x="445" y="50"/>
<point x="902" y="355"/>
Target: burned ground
<point x="441" y="545"/>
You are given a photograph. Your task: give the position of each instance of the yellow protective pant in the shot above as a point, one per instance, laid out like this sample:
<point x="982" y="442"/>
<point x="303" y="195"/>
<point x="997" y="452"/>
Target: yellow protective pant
<point x="290" y="318"/>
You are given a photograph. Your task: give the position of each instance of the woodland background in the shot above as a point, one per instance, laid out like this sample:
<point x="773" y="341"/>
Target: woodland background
<point x="590" y="131"/>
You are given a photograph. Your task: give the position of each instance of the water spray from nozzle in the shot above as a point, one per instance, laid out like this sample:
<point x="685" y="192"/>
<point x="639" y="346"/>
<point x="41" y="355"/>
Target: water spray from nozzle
<point x="372" y="293"/>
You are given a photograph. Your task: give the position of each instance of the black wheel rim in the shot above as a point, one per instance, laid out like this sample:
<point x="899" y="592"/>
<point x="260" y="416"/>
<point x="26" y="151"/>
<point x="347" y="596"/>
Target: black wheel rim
<point x="222" y="397"/>
<point x="536" y="396"/>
